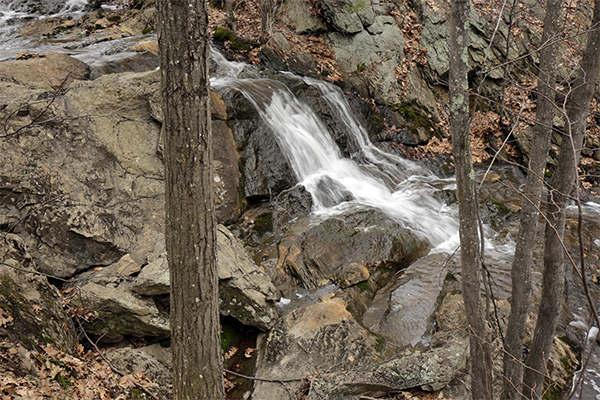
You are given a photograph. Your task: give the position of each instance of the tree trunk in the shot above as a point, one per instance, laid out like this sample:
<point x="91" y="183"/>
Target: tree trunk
<point x="190" y="225"/>
<point x="577" y="109"/>
<point x="231" y="24"/>
<point x="266" y="11"/>
<point x="522" y="263"/>
<point x="481" y="365"/>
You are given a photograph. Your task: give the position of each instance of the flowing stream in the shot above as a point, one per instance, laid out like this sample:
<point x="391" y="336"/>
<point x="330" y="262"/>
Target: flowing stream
<point x="367" y="178"/>
<point x="402" y="189"/>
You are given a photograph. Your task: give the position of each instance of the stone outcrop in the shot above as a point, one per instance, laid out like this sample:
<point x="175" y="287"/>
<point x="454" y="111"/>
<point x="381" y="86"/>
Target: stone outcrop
<point x="431" y="370"/>
<point x="402" y="312"/>
<point x="125" y="305"/>
<point x="30" y="308"/>
<point x="90" y="180"/>
<point x="310" y="339"/>
<point x="369" y="60"/>
<point x="51" y="71"/>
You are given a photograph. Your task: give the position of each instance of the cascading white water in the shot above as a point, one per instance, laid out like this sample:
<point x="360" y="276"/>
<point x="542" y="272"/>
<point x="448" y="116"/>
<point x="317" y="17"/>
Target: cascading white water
<point x="401" y="188"/>
<point x="14" y="14"/>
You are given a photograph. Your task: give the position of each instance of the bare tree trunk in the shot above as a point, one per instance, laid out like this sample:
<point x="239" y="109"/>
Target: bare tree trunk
<point x="266" y="13"/>
<point x="190" y="225"/>
<point x="481" y="364"/>
<point x="522" y="263"/>
<point x="577" y="108"/>
<point x="231" y="24"/>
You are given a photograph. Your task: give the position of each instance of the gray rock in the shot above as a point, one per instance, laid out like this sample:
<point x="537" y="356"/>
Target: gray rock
<point x="88" y="188"/>
<point x="369" y="61"/>
<point x="310" y="339"/>
<point x="367" y="237"/>
<point x="299" y="13"/>
<point x="343" y="15"/>
<point x="34" y="306"/>
<point x="120" y="311"/>
<point x="135" y="361"/>
<point x="246" y="292"/>
<point x="154" y="278"/>
<point x="431" y="371"/>
<point x="364" y="10"/>
<point x="402" y="312"/>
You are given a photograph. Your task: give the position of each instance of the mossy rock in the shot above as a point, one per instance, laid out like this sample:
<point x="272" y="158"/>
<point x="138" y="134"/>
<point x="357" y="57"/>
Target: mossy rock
<point x="223" y="35"/>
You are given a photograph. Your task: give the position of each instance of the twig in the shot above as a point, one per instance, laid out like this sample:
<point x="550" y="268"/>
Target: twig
<point x="34" y="272"/>
<point x="253" y="378"/>
<point x="112" y="367"/>
<point x="281" y="381"/>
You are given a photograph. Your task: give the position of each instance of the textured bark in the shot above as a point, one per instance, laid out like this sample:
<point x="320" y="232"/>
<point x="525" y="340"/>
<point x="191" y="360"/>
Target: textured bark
<point x="522" y="263"/>
<point x="231" y="24"/>
<point x="577" y="108"/>
<point x="190" y="225"/>
<point x="480" y="352"/>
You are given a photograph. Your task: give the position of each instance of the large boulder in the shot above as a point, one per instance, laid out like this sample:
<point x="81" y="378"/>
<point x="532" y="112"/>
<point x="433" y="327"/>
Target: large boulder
<point x="367" y="238"/>
<point x="348" y="16"/>
<point x="402" y="312"/>
<point x="51" y="71"/>
<point x="369" y="61"/>
<point x="127" y="305"/>
<point x="307" y="340"/>
<point x="299" y="13"/>
<point x="431" y="370"/>
<point x="87" y="186"/>
<point x="246" y="292"/>
<point x="119" y="311"/>
<point x="33" y="306"/>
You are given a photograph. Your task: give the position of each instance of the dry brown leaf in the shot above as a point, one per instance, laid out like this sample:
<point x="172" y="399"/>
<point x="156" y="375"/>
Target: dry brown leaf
<point x="5" y="318"/>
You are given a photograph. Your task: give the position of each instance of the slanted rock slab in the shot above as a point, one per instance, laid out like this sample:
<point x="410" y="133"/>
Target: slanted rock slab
<point x="431" y="371"/>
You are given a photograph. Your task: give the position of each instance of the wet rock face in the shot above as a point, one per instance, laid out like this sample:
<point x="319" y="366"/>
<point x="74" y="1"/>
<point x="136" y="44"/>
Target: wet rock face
<point x="368" y="238"/>
<point x="402" y="312"/>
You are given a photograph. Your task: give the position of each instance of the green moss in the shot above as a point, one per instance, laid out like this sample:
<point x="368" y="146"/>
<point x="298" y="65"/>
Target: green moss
<point x="223" y="35"/>
<point x="359" y="68"/>
<point x="227" y="335"/>
<point x="566" y="363"/>
<point x="501" y="207"/>
<point x="64" y="382"/>
<point x="415" y="118"/>
<point x="264" y="223"/>
<point x="137" y="394"/>
<point x="147" y="30"/>
<point x="358" y="6"/>
<point x="552" y="391"/>
<point x="363" y="285"/>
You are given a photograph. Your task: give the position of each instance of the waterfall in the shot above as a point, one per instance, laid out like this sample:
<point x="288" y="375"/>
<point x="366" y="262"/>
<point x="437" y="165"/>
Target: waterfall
<point x="369" y="178"/>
